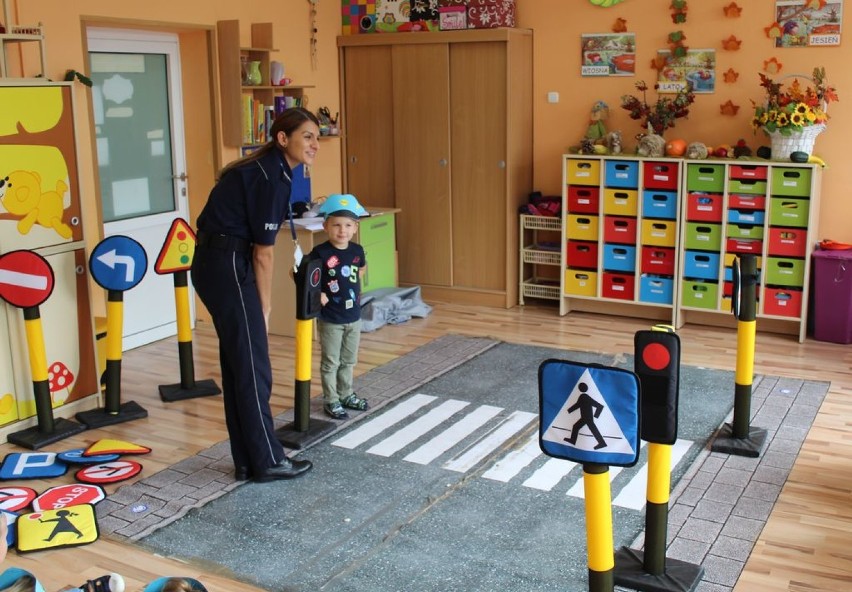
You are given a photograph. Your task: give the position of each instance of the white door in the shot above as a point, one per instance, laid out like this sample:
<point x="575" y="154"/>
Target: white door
<point x="136" y="95"/>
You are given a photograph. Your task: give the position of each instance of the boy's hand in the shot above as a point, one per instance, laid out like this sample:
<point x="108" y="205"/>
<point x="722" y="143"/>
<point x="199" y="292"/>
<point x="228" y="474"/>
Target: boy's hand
<point x="323" y="298"/>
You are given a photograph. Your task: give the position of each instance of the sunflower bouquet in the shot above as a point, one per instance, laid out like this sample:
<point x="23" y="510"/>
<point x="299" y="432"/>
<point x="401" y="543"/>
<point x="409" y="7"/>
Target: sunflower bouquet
<point x="791" y="110"/>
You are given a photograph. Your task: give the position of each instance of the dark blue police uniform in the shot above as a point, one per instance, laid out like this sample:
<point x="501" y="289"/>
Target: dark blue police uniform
<point x="245" y="208"/>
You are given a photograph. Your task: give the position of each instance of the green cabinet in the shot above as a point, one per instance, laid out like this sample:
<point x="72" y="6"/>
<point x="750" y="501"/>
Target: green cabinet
<point x="377" y="234"/>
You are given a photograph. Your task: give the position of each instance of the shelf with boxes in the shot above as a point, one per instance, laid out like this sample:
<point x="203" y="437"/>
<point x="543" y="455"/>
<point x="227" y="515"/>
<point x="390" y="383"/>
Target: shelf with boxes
<point x="540" y="257"/>
<point x="768" y="209"/>
<point x="620" y="233"/>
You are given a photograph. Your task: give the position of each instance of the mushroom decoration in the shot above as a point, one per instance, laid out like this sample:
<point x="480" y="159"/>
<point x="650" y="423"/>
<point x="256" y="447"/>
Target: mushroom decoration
<point x="60" y="378"/>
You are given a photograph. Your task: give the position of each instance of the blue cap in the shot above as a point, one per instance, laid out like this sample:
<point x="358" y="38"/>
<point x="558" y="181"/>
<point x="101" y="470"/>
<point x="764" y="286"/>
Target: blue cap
<point x="342" y="204"/>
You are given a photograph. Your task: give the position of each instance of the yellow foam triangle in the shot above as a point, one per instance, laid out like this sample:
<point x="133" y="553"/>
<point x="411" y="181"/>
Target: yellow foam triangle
<point x="108" y="446"/>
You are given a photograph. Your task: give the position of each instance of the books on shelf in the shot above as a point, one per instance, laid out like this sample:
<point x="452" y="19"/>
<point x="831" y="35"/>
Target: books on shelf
<point x="257" y="118"/>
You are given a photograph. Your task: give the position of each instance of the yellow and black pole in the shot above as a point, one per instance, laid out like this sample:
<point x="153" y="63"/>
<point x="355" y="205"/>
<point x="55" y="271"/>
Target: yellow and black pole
<point x="740" y="438"/>
<point x="26" y="281"/>
<point x="601" y="560"/>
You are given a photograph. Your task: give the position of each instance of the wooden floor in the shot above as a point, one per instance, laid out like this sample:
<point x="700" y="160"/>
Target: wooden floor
<point x="807" y="542"/>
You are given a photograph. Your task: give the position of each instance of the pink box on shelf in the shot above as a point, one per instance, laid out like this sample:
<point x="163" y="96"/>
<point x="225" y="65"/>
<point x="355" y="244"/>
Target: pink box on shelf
<point x="488" y="14"/>
<point x="451" y="18"/>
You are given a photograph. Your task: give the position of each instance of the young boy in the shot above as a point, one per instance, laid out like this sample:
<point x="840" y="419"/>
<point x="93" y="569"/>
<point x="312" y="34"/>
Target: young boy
<point x="343" y="265"/>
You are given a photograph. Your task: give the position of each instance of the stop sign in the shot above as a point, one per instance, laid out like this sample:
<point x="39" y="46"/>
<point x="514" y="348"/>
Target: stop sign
<point x="26" y="279"/>
<point x="63" y="496"/>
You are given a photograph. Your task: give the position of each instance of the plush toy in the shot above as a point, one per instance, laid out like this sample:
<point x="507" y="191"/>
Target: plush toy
<point x="696" y="151"/>
<point x="651" y="145"/>
<point x="613" y="142"/>
<point x="597" y="123"/>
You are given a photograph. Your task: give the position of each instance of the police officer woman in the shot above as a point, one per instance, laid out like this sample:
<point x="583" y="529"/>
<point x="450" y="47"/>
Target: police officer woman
<point x="232" y="273"/>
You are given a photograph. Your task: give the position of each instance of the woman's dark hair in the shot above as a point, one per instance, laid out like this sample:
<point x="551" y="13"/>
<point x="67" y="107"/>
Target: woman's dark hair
<point x="288" y="122"/>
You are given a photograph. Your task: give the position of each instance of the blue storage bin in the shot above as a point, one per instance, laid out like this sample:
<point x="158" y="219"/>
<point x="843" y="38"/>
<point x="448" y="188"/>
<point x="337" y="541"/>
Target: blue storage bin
<point x="619" y="258"/>
<point x="729" y="274"/>
<point x="656" y="289"/>
<point x="621" y="173"/>
<point x="659" y="204"/>
<point x="746" y="216"/>
<point x="701" y="265"/>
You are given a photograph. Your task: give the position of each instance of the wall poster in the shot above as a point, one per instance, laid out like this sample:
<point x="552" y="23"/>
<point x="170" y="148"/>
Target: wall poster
<point x="698" y="66"/>
<point x="802" y="25"/>
<point x="608" y="54"/>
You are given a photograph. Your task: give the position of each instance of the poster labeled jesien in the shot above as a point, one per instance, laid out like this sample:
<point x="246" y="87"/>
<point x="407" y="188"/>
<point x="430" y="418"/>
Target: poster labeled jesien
<point x="802" y="25"/>
<point x="608" y="54"/>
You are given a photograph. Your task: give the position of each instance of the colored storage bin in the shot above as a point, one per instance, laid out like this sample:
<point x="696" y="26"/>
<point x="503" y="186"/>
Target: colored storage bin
<point x="659" y="290"/>
<point x="581" y="282"/>
<point x="620" y="202"/>
<point x="583" y="171"/>
<point x="787" y="211"/>
<point x="659" y="233"/>
<point x="619" y="258"/>
<point x="753" y="231"/>
<point x="659" y="204"/>
<point x="619" y="230"/>
<point x="704" y="207"/>
<point x="729" y="274"/>
<point x="793" y="182"/>
<point x="660" y="175"/>
<point x="782" y="302"/>
<point x="747" y="186"/>
<point x="705" y="177"/>
<point x="583" y="200"/>
<point x="658" y="260"/>
<point x="729" y="260"/>
<point x="747" y="202"/>
<point x="748" y="171"/>
<point x="833" y="296"/>
<point x="621" y="173"/>
<point x="785" y="271"/>
<point x="618" y="285"/>
<point x="698" y="294"/>
<point x="746" y="216"/>
<point x="744" y="245"/>
<point x="582" y="255"/>
<point x="701" y="265"/>
<point x="787" y="242"/>
<point x="582" y="227"/>
<point x="704" y="237"/>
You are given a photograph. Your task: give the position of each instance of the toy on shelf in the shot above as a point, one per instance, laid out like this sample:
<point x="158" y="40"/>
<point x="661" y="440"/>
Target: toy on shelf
<point x="597" y="123"/>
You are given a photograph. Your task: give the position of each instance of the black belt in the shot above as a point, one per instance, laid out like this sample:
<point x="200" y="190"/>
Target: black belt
<point x="223" y="241"/>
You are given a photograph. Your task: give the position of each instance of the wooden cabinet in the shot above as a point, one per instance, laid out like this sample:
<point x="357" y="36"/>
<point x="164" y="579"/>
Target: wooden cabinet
<point x="244" y="106"/>
<point x="443" y="134"/>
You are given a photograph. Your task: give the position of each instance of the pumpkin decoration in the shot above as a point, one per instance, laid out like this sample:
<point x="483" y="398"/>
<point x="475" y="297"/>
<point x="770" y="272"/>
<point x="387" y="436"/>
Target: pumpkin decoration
<point x="676" y="147"/>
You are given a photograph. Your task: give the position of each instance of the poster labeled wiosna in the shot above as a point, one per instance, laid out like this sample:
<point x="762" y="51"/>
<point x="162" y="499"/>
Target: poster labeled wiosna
<point x="608" y="54"/>
<point x="807" y="23"/>
<point x="698" y="67"/>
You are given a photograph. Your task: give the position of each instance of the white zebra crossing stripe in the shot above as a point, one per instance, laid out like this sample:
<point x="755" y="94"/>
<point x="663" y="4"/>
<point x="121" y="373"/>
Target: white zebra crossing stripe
<point x="372" y="428"/>
<point x="549" y="475"/>
<point x="453" y="435"/>
<point x="578" y="489"/>
<point x="513" y="424"/>
<point x="634" y="495"/>
<point x="514" y="462"/>
<point x="405" y="436"/>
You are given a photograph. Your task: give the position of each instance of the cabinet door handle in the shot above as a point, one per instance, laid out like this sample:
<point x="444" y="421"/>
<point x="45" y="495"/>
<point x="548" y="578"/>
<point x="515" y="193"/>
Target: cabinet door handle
<point x="353" y="159"/>
<point x="501" y="164"/>
<point x="443" y="162"/>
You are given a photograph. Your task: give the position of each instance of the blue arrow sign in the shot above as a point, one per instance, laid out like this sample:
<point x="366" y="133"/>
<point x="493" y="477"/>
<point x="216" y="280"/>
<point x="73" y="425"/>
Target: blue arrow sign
<point x="118" y="263"/>
<point x="589" y="413"/>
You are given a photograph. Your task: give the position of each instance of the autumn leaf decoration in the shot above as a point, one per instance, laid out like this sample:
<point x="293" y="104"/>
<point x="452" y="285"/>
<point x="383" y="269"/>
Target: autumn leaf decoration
<point x="619" y="26"/>
<point x="676" y="45"/>
<point x="730" y="76"/>
<point x="728" y="108"/>
<point x="731" y="43"/>
<point x="732" y="10"/>
<point x="773" y="31"/>
<point x="772" y="66"/>
<point x="679" y="9"/>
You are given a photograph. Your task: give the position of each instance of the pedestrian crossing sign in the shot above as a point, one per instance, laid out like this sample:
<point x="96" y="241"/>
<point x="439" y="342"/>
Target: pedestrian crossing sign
<point x="589" y="413"/>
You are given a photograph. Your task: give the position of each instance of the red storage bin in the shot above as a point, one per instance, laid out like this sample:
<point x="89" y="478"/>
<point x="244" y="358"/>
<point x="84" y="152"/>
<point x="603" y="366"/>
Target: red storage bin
<point x="747" y="202"/>
<point x="658" y="260"/>
<point x="749" y="171"/>
<point x="620" y="229"/>
<point x="788" y="242"/>
<point x="660" y="175"/>
<point x="744" y="245"/>
<point x="583" y="200"/>
<point x="618" y="285"/>
<point x="783" y="302"/>
<point x="582" y="254"/>
<point x="704" y="207"/>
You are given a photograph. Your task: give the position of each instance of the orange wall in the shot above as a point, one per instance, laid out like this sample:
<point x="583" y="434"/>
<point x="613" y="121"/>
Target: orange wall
<point x="557" y="25"/>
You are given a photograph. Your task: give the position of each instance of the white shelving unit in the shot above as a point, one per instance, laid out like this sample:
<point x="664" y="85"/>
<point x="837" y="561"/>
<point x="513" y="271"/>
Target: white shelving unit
<point x="18" y="34"/>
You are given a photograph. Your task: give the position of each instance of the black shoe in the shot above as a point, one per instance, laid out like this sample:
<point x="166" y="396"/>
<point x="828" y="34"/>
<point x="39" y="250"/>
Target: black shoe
<point x="335" y="410"/>
<point x="285" y="469"/>
<point x="242" y="473"/>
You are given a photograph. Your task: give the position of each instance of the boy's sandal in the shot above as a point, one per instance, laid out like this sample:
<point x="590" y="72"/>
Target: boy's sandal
<point x="335" y="411"/>
<point x="107" y="583"/>
<point x="353" y="401"/>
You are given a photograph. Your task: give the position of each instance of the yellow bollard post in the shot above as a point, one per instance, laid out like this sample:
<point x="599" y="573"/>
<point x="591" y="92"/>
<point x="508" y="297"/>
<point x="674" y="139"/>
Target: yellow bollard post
<point x="599" y="527"/>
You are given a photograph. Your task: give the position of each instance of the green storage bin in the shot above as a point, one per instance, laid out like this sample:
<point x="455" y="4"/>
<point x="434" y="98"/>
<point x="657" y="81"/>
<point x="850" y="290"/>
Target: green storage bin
<point x="703" y="236"/>
<point x="788" y="211"/>
<point x="754" y="231"/>
<point x="377" y="235"/>
<point x="750" y="186"/>
<point x="705" y="177"/>
<point x="785" y="271"/>
<point x="795" y="182"/>
<point x="700" y="294"/>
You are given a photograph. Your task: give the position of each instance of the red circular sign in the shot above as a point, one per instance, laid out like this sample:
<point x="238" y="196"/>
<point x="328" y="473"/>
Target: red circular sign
<point x="656" y="356"/>
<point x="26" y="279"/>
<point x="13" y="499"/>
<point x="63" y="496"/>
<point x="109" y="472"/>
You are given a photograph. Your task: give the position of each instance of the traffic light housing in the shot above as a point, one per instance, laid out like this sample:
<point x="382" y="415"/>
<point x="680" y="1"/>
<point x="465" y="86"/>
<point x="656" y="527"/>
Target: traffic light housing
<point x="657" y="364"/>
<point x="308" y="278"/>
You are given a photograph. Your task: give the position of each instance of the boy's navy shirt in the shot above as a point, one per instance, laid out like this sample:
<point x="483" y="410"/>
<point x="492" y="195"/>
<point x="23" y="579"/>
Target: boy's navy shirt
<point x="341" y="281"/>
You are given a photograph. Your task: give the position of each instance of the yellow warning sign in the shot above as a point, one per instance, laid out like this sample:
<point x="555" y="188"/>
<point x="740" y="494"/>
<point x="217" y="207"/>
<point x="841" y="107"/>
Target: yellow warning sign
<point x="66" y="527"/>
<point x="178" y="249"/>
<point x="108" y="446"/>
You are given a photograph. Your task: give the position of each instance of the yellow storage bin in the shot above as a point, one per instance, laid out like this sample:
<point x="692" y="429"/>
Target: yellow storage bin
<point x="729" y="260"/>
<point x="621" y="202"/>
<point x="582" y="171"/>
<point x="659" y="233"/>
<point x="581" y="283"/>
<point x="582" y="227"/>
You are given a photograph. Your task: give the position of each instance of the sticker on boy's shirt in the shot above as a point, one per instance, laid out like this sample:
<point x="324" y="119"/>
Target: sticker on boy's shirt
<point x="349" y="304"/>
<point x="334" y="286"/>
<point x="332" y="261"/>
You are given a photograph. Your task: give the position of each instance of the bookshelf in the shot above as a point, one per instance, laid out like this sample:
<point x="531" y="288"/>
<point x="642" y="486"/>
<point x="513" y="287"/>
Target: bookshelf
<point x="245" y="108"/>
<point x="19" y="34"/>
